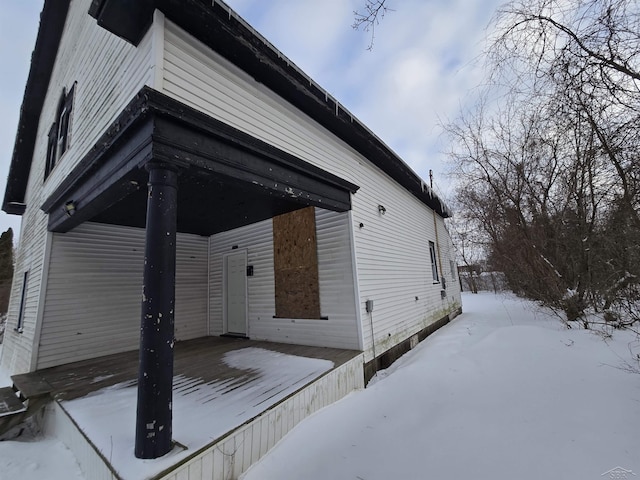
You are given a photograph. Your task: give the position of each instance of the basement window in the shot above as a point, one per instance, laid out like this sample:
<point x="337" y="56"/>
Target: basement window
<point x="59" y="133"/>
<point x="23" y="301"/>
<point x="434" y="263"/>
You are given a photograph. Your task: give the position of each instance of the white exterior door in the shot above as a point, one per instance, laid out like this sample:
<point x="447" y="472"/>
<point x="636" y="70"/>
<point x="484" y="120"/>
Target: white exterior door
<point x="235" y="292"/>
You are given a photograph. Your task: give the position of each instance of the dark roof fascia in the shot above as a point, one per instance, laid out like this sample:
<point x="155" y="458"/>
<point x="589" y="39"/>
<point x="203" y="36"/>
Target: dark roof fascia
<point x="52" y="20"/>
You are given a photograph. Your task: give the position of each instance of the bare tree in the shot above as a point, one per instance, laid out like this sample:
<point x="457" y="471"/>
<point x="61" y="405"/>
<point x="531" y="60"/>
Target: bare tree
<point x="369" y="17"/>
<point x="551" y="174"/>
<point x="470" y="248"/>
<point x="585" y="53"/>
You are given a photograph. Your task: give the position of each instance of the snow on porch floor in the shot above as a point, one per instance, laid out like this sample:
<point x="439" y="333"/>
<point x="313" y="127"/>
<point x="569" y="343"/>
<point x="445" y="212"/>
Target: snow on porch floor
<point x="214" y="393"/>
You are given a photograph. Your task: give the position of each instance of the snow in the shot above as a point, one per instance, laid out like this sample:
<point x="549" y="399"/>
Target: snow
<point x="202" y="411"/>
<point x="504" y="391"/>
<point x="38" y="458"/>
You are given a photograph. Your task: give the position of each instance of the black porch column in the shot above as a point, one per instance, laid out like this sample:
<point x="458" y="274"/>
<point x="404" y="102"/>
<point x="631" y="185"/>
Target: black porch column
<point x="155" y="375"/>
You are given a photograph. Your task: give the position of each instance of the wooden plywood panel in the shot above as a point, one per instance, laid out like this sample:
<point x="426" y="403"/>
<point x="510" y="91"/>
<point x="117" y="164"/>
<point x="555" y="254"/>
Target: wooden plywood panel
<point x="295" y="256"/>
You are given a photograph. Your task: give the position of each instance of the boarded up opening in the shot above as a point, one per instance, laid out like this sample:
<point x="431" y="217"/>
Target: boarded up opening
<point x="295" y="259"/>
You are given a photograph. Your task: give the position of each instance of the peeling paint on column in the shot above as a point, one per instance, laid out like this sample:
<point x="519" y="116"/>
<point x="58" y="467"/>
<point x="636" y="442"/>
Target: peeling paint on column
<point x="155" y="378"/>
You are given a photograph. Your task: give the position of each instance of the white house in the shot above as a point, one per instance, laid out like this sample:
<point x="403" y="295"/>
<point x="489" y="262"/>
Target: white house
<point x="169" y="156"/>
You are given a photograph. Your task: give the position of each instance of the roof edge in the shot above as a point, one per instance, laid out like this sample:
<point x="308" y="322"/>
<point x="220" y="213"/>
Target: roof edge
<point x="52" y="20"/>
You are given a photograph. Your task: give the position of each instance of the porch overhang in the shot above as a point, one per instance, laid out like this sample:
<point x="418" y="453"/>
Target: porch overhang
<point x="227" y="178"/>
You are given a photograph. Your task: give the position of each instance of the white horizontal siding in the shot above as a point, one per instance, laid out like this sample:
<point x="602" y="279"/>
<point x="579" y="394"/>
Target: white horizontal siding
<point x="93" y="298"/>
<point x="335" y="274"/>
<point x="30" y="257"/>
<point x="392" y="252"/>
<point x="108" y="72"/>
<point x="394" y="264"/>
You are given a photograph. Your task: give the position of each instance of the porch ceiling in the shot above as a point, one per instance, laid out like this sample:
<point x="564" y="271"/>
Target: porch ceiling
<point x="226" y="178"/>
<point x="207" y="204"/>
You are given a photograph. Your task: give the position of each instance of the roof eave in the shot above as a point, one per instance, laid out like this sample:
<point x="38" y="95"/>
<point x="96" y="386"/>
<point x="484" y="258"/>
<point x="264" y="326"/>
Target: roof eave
<point x="52" y="19"/>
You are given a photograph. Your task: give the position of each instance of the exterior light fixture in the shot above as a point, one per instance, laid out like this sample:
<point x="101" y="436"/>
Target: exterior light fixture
<point x="69" y="208"/>
<point x="381" y="209"/>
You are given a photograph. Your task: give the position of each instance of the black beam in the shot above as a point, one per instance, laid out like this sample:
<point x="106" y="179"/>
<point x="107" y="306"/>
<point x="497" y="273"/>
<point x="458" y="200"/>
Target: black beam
<point x="257" y="180"/>
<point x="155" y="375"/>
<point x="103" y="177"/>
<point x="276" y="172"/>
<point x="128" y="19"/>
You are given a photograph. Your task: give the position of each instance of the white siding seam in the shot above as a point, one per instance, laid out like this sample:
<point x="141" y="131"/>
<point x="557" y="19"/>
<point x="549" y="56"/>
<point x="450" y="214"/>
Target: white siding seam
<point x="209" y="286"/>
<point x="41" y="302"/>
<point x="157" y="51"/>
<point x="356" y="285"/>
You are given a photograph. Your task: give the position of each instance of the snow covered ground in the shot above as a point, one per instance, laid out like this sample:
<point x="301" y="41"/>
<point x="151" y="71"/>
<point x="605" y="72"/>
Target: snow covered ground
<point x="35" y="458"/>
<point x="505" y="391"/>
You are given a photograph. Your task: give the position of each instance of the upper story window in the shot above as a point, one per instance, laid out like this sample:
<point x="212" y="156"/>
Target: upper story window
<point x="59" y="134"/>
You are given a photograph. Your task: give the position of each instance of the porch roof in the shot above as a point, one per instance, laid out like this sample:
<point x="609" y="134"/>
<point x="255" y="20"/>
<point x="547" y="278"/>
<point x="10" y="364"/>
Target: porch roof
<point x="227" y="178"/>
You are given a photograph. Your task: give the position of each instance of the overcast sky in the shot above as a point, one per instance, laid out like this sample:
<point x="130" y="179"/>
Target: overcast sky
<point x="421" y="71"/>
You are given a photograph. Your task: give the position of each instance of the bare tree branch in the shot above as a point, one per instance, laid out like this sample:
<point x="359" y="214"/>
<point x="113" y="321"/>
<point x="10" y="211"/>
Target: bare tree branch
<point x="369" y="18"/>
<point x="550" y="173"/>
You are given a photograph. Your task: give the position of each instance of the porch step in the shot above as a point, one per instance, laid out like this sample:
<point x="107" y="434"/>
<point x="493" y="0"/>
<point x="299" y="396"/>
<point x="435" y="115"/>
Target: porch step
<point x="29" y="394"/>
<point x="10" y="404"/>
<point x="31" y="386"/>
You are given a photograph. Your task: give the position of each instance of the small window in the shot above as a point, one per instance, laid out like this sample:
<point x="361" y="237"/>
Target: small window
<point x="23" y="301"/>
<point x="434" y="263"/>
<point x="454" y="267"/>
<point x="59" y="133"/>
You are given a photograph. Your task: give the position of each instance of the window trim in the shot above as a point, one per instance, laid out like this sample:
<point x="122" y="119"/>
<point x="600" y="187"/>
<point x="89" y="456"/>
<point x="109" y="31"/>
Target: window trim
<point x="434" y="263"/>
<point x="23" y="301"/>
<point x="51" y="150"/>
<point x="60" y="131"/>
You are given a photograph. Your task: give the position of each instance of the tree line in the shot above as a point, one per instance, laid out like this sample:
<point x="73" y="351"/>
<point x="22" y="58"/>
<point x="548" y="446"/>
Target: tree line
<point x="549" y="160"/>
